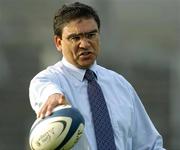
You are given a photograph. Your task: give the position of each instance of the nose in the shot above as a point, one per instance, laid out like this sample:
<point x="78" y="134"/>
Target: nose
<point x="84" y="43"/>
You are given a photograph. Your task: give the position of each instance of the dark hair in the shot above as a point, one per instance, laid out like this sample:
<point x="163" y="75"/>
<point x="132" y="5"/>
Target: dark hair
<point x="70" y="12"/>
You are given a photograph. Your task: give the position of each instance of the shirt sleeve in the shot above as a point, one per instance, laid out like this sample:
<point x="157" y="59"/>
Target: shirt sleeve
<point x="41" y="87"/>
<point x="145" y="135"/>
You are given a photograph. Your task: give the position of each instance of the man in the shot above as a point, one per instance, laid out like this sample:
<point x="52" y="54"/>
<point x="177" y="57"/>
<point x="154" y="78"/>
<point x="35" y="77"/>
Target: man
<point x="76" y="36"/>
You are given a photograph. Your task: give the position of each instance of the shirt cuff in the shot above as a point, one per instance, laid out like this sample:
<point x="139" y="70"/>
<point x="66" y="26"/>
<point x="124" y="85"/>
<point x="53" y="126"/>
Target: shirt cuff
<point x="46" y="92"/>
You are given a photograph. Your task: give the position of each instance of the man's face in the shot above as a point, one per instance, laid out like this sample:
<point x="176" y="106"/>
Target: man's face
<point x="80" y="42"/>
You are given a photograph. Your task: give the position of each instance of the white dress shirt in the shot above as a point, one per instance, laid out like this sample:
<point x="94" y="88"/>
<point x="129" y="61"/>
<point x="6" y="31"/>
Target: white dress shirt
<point x="132" y="127"/>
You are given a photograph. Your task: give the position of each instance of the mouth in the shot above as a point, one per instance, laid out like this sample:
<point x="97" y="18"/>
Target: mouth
<point x="85" y="54"/>
<point x="86" y="58"/>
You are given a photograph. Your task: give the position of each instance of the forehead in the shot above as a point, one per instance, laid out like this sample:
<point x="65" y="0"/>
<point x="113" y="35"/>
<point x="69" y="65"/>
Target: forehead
<point x="80" y="26"/>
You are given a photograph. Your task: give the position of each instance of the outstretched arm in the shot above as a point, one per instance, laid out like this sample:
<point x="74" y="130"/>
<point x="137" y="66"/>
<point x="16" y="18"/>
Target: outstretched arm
<point x="45" y="94"/>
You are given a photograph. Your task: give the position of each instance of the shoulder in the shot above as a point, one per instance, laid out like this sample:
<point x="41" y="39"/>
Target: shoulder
<point x="115" y="80"/>
<point x="50" y="72"/>
<point x="112" y="75"/>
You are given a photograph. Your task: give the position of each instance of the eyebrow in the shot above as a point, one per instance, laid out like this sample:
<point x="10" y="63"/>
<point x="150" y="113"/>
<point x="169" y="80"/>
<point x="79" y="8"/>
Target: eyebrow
<point x="83" y="33"/>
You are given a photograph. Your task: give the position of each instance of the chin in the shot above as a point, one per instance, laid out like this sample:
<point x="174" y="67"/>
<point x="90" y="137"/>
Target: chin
<point x="85" y="66"/>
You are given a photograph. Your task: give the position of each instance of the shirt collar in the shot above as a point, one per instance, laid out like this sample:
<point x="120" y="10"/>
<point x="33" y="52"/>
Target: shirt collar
<point x="77" y="72"/>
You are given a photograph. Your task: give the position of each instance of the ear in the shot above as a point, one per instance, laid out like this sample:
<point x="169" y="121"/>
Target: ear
<point x="57" y="42"/>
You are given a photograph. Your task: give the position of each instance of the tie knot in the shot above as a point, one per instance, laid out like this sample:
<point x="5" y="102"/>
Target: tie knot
<point x="89" y="75"/>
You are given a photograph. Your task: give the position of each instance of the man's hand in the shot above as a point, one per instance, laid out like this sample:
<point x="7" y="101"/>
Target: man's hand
<point x="53" y="101"/>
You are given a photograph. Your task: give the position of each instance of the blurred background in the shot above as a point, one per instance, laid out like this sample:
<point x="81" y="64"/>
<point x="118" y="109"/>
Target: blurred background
<point x="140" y="39"/>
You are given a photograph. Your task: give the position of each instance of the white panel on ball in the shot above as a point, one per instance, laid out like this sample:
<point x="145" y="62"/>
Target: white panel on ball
<point x="59" y="131"/>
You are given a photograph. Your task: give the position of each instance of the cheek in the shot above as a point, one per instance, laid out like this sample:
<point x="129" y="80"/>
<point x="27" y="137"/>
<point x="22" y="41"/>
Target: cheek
<point x="66" y="47"/>
<point x="69" y="50"/>
<point x="74" y="49"/>
<point x="96" y="46"/>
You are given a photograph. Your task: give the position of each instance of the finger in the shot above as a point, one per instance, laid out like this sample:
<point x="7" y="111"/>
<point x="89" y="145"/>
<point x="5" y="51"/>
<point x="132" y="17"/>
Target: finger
<point x="53" y="102"/>
<point x="42" y="112"/>
<point x="47" y="108"/>
<point x="50" y="109"/>
<point x="62" y="100"/>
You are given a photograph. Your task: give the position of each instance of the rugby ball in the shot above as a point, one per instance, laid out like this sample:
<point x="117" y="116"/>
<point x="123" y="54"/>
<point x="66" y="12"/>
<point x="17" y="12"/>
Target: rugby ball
<point x="59" y="131"/>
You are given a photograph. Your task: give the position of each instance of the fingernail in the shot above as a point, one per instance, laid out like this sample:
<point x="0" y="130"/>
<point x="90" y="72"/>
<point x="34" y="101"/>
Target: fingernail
<point x="47" y="113"/>
<point x="38" y="116"/>
<point x="41" y="116"/>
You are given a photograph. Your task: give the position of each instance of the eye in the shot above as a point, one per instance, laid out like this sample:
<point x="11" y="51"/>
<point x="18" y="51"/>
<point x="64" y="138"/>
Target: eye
<point x="75" y="38"/>
<point x="90" y="35"/>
